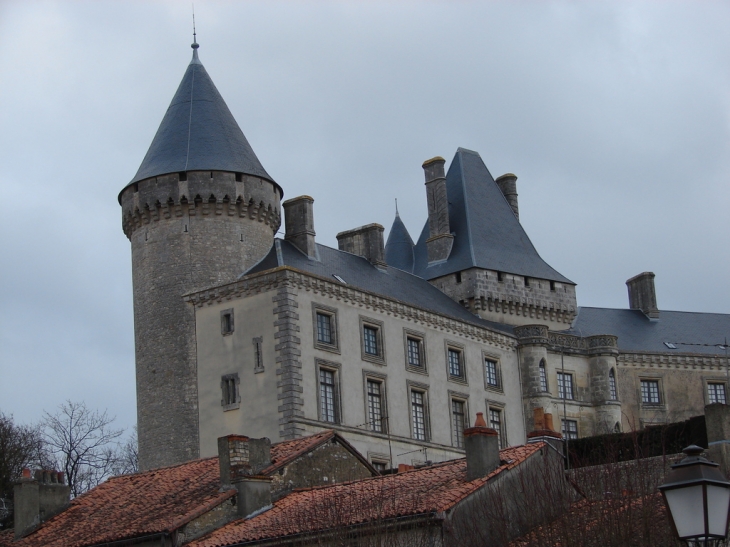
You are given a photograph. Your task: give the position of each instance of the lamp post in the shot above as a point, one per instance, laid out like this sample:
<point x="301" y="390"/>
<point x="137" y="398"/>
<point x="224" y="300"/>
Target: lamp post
<point x="698" y="497"/>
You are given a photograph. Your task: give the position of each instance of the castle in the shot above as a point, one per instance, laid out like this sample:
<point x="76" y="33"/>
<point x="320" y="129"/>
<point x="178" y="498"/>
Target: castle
<point x="394" y="345"/>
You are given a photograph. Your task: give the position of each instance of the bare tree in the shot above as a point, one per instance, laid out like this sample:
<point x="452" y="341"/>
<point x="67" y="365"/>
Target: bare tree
<point x="127" y="459"/>
<point x="83" y="444"/>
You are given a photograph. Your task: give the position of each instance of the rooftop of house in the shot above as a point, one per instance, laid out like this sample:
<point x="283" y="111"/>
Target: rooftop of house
<point x="153" y="502"/>
<point x="357" y="272"/>
<point x="424" y="491"/>
<point x="198" y="133"/>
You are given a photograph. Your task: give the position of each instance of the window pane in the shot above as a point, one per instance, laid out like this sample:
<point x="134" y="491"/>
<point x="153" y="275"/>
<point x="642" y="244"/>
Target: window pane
<point x="324" y="328"/>
<point x="375" y="416"/>
<point x="650" y="392"/>
<point x="370" y="336"/>
<point x="543" y="377"/>
<point x="457" y="411"/>
<point x="327" y="395"/>
<point x="491" y="372"/>
<point x="570" y="429"/>
<point x="455" y="368"/>
<point x="418" y="415"/>
<point x="612" y="385"/>
<point x="716" y="393"/>
<point x="414" y="352"/>
<point x="565" y="385"/>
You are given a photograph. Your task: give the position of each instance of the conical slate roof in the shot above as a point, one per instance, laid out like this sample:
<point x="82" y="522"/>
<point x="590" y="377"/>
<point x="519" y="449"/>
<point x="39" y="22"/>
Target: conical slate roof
<point x="399" y="247"/>
<point x="199" y="133"/>
<point x="486" y="231"/>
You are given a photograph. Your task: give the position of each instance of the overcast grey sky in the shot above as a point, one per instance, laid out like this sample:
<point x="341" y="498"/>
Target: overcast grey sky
<point x="615" y="117"/>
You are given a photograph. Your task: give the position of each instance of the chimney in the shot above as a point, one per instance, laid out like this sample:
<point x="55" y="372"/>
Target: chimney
<point x="241" y="461"/>
<point x="365" y="241"/>
<point x="299" y="224"/>
<point x="642" y="295"/>
<point x="508" y="184"/>
<point x="439" y="244"/>
<point x="482" y="449"/>
<point x="37" y="499"/>
<point x="544" y="431"/>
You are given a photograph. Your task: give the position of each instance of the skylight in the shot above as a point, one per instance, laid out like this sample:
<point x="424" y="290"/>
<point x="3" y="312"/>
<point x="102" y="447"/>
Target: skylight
<point x="670" y="345"/>
<point x="338" y="278"/>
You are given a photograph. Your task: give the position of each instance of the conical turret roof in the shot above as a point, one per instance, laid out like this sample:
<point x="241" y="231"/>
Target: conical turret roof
<point x="199" y="133"/>
<point x="399" y="247"/>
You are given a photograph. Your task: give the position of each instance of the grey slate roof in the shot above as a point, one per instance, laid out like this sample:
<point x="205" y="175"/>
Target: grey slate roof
<point x="637" y="333"/>
<point x="199" y="133"/>
<point x="486" y="231"/>
<point x="361" y="274"/>
<point x="399" y="247"/>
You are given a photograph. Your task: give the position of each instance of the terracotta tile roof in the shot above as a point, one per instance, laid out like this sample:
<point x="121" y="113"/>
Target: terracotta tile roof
<point x="423" y="491"/>
<point x="286" y="452"/>
<point x="6" y="537"/>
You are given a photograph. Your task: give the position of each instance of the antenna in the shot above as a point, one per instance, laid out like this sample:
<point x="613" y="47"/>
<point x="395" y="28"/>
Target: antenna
<point x="194" y="37"/>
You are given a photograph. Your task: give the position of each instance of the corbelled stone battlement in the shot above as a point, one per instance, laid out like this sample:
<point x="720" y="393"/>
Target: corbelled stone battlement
<point x="200" y="193"/>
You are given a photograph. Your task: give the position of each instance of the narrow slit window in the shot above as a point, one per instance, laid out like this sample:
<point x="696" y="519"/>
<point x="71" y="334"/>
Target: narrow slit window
<point x="612" y="385"/>
<point x="543" y="376"/>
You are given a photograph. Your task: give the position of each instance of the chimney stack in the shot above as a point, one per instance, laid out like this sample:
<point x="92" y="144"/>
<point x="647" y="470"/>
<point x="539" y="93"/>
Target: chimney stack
<point x="439" y="244"/>
<point x="365" y="241"/>
<point x="299" y="224"/>
<point x="482" y="449"/>
<point x="241" y="461"/>
<point x="642" y="295"/>
<point x="544" y="431"/>
<point x="37" y="499"/>
<point x="508" y="184"/>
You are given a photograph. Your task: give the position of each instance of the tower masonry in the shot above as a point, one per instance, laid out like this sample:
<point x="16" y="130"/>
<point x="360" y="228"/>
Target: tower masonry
<point x="200" y="211"/>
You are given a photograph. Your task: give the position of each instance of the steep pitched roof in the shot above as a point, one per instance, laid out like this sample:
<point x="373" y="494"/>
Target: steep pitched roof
<point x="399" y="247"/>
<point x="422" y="491"/>
<point x="198" y="132"/>
<point x="486" y="231"/>
<point x="359" y="273"/>
<point x="636" y="332"/>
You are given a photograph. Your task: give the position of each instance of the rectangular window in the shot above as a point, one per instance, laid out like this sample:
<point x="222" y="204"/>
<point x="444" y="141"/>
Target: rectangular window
<point x="570" y="429"/>
<point x="543" y="376"/>
<point x="324" y="328"/>
<point x="415" y="352"/>
<point x="495" y="422"/>
<point x="327" y="396"/>
<point x="370" y="336"/>
<point x="258" y="354"/>
<point x="458" y="421"/>
<point x="565" y="385"/>
<point x="650" y="392"/>
<point x="456" y="366"/>
<point x="372" y="346"/>
<point x="612" y="385"/>
<point x="230" y="397"/>
<point x="491" y="372"/>
<point x="380" y="467"/>
<point x="716" y="393"/>
<point x="375" y="405"/>
<point x="227" y="321"/>
<point x="418" y="414"/>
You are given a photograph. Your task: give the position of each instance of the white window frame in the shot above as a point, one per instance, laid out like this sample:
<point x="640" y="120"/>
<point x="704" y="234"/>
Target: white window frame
<point x="659" y="394"/>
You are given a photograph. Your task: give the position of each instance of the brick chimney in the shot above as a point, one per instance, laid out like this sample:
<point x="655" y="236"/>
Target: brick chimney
<point x="544" y="431"/>
<point x="365" y="241"/>
<point x="241" y="461"/>
<point x="482" y="449"/>
<point x="299" y="224"/>
<point x="642" y="295"/>
<point x="508" y="185"/>
<point x="439" y="244"/>
<point x="38" y="498"/>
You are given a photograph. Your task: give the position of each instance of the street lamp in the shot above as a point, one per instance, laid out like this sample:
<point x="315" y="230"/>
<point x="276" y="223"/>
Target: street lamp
<point x="698" y="497"/>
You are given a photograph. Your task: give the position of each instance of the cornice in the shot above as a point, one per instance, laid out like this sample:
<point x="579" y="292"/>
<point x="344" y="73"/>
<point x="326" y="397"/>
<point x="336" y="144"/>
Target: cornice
<point x="672" y="361"/>
<point x="292" y="277"/>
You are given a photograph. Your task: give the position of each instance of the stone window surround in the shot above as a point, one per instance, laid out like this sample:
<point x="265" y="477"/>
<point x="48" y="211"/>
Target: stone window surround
<point x="660" y="385"/>
<point x="499" y="388"/>
<point x="455" y="346"/>
<point x="542" y="371"/>
<point x="335" y="368"/>
<point x="381" y="379"/>
<point x="495" y="405"/>
<point x="378" y="359"/>
<point x="422" y="388"/>
<point x="227" y="326"/>
<point x="237" y="381"/>
<point x="464" y="399"/>
<point x="421" y="337"/>
<point x="713" y="380"/>
<point x="332" y="313"/>
<point x="258" y="344"/>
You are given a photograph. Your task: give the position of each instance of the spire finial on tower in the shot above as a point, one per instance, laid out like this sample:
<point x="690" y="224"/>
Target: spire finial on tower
<point x="195" y="44"/>
<point x="396" y="206"/>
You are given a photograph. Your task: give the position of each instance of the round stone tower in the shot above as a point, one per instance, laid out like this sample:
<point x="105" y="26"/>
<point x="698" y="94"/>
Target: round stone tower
<point x="199" y="212"/>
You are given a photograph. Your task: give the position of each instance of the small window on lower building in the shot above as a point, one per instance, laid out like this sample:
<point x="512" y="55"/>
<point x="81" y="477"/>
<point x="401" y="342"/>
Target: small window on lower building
<point x="227" y="322"/>
<point x="570" y="429"/>
<point x="497" y="423"/>
<point x="380" y="466"/>
<point x="419" y="415"/>
<point x="716" y="393"/>
<point x="458" y="422"/>
<point x="650" y="392"/>
<point x="231" y="398"/>
<point x="328" y="396"/>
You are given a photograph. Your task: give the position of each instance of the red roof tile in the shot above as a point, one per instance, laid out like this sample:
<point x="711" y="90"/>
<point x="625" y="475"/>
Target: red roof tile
<point x="286" y="452"/>
<point x="421" y="491"/>
<point x="6" y="537"/>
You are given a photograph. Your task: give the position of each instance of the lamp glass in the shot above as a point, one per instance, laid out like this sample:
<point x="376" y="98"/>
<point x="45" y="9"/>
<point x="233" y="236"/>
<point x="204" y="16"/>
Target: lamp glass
<point x="687" y="508"/>
<point x="718" y="499"/>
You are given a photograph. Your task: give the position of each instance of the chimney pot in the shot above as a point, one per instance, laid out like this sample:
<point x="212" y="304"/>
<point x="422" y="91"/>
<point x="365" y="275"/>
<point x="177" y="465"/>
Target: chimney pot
<point x="26" y="473"/>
